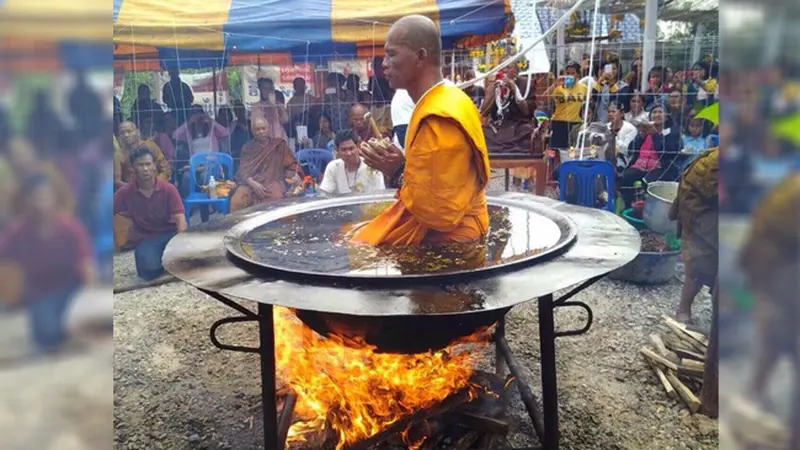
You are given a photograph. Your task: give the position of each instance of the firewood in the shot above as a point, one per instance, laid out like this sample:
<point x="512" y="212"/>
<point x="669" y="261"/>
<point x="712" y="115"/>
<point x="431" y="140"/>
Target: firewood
<point x="697" y="337"/>
<point x="466" y="441"/>
<point x="689" y="372"/>
<point x="453" y="401"/>
<point x="285" y="417"/>
<point x="686" y="394"/>
<point x="662" y="349"/>
<point x="658" y="359"/>
<point x="681" y="340"/>
<point x="688" y="355"/>
<point x="489" y="441"/>
<point x="692" y="364"/>
<point x="664" y="382"/>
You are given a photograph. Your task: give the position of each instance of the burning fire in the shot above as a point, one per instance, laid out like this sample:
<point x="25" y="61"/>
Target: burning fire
<point x="358" y="391"/>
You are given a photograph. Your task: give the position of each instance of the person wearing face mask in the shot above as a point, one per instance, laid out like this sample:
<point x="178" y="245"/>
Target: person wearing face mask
<point x="652" y="155"/>
<point x="569" y="96"/>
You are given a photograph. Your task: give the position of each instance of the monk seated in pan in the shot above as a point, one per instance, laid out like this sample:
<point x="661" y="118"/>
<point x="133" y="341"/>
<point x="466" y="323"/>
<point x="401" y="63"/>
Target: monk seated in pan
<point x="266" y="169"/>
<point x="443" y="175"/>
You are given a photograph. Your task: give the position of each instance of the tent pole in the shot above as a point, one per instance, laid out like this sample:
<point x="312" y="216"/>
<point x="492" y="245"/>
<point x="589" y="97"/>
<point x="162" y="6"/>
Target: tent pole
<point x="649" y="51"/>
<point x="214" y="84"/>
<point x="700" y="29"/>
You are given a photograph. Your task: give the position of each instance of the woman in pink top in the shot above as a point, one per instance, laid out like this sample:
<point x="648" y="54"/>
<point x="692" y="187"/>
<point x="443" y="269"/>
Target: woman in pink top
<point x="271" y="108"/>
<point x="200" y="132"/>
<point x="652" y="154"/>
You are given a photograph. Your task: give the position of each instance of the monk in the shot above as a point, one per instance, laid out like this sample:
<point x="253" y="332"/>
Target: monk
<point x="443" y="176"/>
<point x="266" y="169"/>
<point x="130" y="140"/>
<point x="360" y="124"/>
<point x="697" y="211"/>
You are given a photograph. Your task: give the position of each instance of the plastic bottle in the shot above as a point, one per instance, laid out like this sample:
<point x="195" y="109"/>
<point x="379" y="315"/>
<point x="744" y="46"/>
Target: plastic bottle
<point x="212" y="187"/>
<point x="310" y="190"/>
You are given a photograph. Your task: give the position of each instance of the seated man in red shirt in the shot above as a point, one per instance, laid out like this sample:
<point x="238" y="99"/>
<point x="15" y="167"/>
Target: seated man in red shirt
<point x="156" y="210"/>
<point x="52" y="254"/>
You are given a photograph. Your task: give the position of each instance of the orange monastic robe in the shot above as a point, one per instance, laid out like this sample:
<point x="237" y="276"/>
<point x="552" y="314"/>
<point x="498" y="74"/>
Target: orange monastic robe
<point x="443" y="198"/>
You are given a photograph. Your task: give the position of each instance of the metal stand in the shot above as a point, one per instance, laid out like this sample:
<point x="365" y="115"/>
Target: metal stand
<point x="545" y="421"/>
<point x="273" y="438"/>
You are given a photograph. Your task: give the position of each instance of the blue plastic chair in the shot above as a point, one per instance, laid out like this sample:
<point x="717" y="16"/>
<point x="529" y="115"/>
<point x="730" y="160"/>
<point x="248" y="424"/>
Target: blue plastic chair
<point x="314" y="161"/>
<point x="585" y="173"/>
<point x="220" y="165"/>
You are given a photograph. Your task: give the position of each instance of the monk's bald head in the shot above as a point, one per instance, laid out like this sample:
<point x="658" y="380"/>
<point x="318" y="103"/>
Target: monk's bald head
<point x="260" y="129"/>
<point x="358" y="119"/>
<point x="419" y="33"/>
<point x="129" y="134"/>
<point x="413" y="55"/>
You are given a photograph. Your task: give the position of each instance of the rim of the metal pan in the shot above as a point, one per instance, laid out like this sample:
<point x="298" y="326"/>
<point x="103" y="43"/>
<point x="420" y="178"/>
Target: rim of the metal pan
<point x="234" y="238"/>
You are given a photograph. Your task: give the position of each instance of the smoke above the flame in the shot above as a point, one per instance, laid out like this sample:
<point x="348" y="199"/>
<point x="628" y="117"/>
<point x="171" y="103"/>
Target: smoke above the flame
<point x="356" y="392"/>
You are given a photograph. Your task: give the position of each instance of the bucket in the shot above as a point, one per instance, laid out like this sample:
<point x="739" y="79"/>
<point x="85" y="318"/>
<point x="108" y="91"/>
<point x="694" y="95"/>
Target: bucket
<point x="659" y="199"/>
<point x="636" y="222"/>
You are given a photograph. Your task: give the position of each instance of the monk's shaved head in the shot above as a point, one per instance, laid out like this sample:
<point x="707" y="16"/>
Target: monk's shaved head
<point x="260" y="129"/>
<point x="259" y="122"/>
<point x="419" y="33"/>
<point x="128" y="124"/>
<point x="358" y="109"/>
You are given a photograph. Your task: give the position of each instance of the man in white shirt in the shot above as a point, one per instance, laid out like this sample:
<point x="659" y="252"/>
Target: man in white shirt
<point x="402" y="108"/>
<point x="348" y="174"/>
<point x="624" y="131"/>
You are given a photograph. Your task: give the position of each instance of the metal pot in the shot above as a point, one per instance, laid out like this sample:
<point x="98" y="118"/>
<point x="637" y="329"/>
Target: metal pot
<point x="659" y="199"/>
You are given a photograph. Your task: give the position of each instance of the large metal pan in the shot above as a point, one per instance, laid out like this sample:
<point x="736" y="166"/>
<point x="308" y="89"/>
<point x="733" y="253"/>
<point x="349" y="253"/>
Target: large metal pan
<point x="310" y="242"/>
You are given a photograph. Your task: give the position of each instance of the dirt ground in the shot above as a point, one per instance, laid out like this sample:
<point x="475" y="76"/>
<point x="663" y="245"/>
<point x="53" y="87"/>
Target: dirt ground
<point x="174" y="390"/>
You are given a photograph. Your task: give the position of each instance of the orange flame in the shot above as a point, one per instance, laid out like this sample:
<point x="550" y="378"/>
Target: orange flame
<point x="358" y="391"/>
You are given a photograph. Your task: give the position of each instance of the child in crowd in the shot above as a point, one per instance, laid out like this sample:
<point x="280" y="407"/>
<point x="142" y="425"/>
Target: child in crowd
<point x="694" y="144"/>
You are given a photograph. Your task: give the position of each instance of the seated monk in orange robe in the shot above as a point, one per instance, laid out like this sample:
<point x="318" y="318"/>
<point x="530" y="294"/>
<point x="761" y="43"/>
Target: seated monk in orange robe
<point x="267" y="165"/>
<point x="442" y="192"/>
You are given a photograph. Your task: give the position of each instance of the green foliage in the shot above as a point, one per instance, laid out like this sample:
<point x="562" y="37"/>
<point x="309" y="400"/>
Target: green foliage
<point x="234" y="81"/>
<point x="131" y="82"/>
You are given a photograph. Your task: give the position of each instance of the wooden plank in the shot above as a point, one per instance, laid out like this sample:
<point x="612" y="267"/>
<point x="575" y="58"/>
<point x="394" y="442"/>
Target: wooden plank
<point x="686" y="394"/>
<point x="658" y="359"/>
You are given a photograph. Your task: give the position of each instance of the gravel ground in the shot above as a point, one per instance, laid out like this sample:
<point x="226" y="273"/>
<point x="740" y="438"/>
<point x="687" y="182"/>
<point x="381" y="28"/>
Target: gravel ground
<point x="174" y="390"/>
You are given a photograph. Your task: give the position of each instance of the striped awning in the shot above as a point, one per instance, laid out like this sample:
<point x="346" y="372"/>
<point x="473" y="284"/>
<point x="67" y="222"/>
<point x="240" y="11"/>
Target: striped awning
<point x="302" y="27"/>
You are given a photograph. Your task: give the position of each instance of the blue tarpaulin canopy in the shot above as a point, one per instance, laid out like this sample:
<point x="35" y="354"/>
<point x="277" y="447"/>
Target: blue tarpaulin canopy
<point x="206" y="32"/>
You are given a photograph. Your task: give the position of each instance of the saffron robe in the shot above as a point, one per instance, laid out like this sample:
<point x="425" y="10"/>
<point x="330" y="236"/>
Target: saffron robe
<point x="443" y="197"/>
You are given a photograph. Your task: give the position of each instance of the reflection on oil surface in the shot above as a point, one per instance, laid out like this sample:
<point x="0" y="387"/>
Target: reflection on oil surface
<point x="318" y="242"/>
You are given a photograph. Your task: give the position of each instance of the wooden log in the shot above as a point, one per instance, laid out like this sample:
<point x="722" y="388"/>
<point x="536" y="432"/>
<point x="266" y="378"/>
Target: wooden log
<point x="664" y="382"/>
<point x="681" y="328"/>
<point x="658" y="359"/>
<point x="686" y="394"/>
<point x="710" y="392"/>
<point x="489" y="441"/>
<point x="693" y="364"/>
<point x="683" y="341"/>
<point x="685" y="354"/>
<point x="285" y="418"/>
<point x="454" y="401"/>
<point x="688" y="372"/>
<point x="467" y="441"/>
<point x="662" y="349"/>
